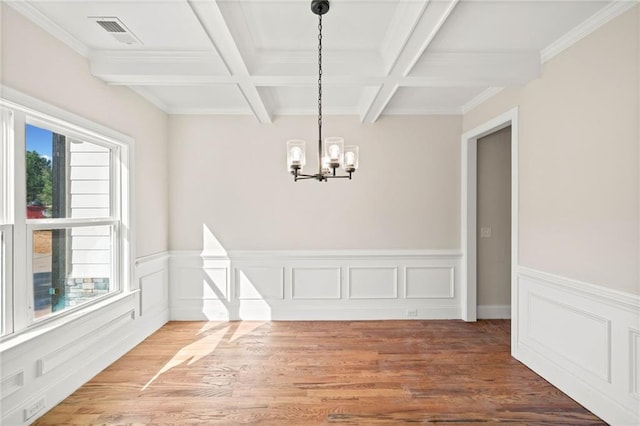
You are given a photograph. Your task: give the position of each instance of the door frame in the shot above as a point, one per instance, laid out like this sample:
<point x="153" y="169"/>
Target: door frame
<point x="469" y="209"/>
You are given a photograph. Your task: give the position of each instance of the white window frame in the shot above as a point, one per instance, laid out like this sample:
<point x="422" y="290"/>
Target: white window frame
<point x="6" y="220"/>
<point x="27" y="109"/>
<point x="6" y="244"/>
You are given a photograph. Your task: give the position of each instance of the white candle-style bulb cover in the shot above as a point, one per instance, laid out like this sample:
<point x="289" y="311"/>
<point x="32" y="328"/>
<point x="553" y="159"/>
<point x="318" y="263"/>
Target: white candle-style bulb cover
<point x="334" y="149"/>
<point x="351" y="157"/>
<point x="334" y="152"/>
<point x="295" y="154"/>
<point x="326" y="161"/>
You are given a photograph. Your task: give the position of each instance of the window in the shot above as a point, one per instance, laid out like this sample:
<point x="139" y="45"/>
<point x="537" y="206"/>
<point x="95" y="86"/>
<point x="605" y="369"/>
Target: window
<point x="70" y="221"/>
<point x="67" y="210"/>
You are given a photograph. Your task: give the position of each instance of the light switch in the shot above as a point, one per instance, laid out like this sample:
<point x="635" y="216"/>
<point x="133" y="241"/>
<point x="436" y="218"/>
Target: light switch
<point x="485" y="232"/>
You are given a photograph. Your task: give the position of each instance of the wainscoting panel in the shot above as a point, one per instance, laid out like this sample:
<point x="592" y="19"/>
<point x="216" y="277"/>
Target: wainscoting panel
<point x="44" y="365"/>
<point x="430" y="282"/>
<point x="582" y="338"/>
<point x="216" y="283"/>
<point x="199" y="286"/>
<point x="570" y="332"/>
<point x="634" y="363"/>
<point x="259" y="283"/>
<point x="373" y="282"/>
<point x="66" y="354"/>
<point x="317" y="285"/>
<point x="11" y="383"/>
<point x="153" y="292"/>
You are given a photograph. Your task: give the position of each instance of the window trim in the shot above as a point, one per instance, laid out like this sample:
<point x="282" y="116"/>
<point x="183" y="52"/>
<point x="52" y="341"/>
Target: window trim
<point x="6" y="257"/>
<point x="35" y="111"/>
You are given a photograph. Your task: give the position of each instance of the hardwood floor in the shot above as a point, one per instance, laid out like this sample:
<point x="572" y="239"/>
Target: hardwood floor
<point x="301" y="373"/>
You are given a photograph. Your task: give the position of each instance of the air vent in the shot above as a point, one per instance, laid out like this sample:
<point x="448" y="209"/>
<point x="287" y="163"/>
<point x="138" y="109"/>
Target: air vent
<point x="116" y="28"/>
<point x="111" y="26"/>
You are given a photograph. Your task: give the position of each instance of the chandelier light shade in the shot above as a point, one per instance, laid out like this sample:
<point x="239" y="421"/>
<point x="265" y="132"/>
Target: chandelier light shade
<point x="332" y="154"/>
<point x="295" y="154"/>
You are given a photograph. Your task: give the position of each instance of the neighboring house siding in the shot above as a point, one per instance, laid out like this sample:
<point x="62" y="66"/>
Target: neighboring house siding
<point x="89" y="197"/>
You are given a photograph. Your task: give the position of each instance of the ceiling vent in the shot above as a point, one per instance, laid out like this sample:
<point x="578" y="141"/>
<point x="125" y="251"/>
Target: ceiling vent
<point x="116" y="28"/>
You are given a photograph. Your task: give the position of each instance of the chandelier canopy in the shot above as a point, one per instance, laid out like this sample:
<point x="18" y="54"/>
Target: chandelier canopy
<point x="333" y="153"/>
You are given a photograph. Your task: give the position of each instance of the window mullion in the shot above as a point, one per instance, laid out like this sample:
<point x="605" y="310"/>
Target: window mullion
<point x="22" y="279"/>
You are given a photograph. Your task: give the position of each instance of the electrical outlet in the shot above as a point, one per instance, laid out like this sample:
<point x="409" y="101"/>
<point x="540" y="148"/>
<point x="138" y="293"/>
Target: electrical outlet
<point x="412" y="312"/>
<point x="485" y="232"/>
<point x="34" y="408"/>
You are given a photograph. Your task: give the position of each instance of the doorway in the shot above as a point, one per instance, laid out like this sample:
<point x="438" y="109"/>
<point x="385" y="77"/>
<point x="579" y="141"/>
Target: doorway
<point x="493" y="245"/>
<point x="469" y="231"/>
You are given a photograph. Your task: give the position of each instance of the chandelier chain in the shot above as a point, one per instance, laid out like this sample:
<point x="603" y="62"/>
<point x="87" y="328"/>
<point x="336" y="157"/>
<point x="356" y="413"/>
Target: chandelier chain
<point x="320" y="77"/>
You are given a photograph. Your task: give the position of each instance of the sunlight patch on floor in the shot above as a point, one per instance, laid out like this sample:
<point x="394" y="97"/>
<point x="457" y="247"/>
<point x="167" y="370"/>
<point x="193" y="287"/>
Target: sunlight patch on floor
<point x="192" y="353"/>
<point x="244" y="328"/>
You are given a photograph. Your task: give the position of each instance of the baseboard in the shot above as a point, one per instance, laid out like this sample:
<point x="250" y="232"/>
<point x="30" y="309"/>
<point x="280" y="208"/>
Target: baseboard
<point x="584" y="339"/>
<point x="315" y="285"/>
<point x="494" y="311"/>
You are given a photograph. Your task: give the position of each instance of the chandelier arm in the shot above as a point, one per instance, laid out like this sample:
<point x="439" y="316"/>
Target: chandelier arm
<point x="339" y="176"/>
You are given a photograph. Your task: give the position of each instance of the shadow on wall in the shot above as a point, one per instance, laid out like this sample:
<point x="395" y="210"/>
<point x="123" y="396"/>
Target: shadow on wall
<point x="232" y="297"/>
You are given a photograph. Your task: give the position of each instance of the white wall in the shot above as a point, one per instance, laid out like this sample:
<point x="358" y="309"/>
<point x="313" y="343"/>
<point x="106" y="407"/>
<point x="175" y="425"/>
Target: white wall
<point x="230" y="182"/>
<point x="579" y="187"/>
<point x="43" y="365"/>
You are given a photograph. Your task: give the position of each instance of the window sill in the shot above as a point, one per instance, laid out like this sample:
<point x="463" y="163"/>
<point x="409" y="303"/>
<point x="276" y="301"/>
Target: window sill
<point x="44" y="327"/>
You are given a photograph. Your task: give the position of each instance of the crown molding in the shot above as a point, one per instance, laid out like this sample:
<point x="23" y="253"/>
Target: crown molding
<point x="484" y="96"/>
<point x="314" y="111"/>
<point x="210" y="111"/>
<point x="197" y="56"/>
<point x="604" y="15"/>
<point x="163" y="80"/>
<point x="423" y="111"/>
<point x="142" y="91"/>
<point x="30" y="12"/>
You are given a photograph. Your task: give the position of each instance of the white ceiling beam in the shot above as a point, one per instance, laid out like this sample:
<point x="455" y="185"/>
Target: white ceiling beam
<point x="210" y="17"/>
<point x="429" y="23"/>
<point x="136" y="67"/>
<point x="479" y="68"/>
<point x="288" y="81"/>
<point x="402" y="27"/>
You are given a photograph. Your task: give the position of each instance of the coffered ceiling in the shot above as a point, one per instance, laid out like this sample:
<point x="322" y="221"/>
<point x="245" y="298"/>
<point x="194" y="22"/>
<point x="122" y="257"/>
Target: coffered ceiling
<point x="259" y="57"/>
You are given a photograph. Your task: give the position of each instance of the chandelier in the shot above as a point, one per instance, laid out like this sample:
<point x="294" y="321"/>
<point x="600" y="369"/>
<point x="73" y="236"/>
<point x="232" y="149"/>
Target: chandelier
<point x="333" y="154"/>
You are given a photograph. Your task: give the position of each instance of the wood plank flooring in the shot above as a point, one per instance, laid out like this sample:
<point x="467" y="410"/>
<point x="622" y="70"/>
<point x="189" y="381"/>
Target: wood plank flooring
<point x="304" y="373"/>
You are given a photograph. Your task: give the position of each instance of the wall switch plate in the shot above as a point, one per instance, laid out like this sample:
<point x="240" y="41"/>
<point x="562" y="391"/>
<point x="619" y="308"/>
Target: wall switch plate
<point x="412" y="312"/>
<point x="34" y="408"/>
<point x="485" y="232"/>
